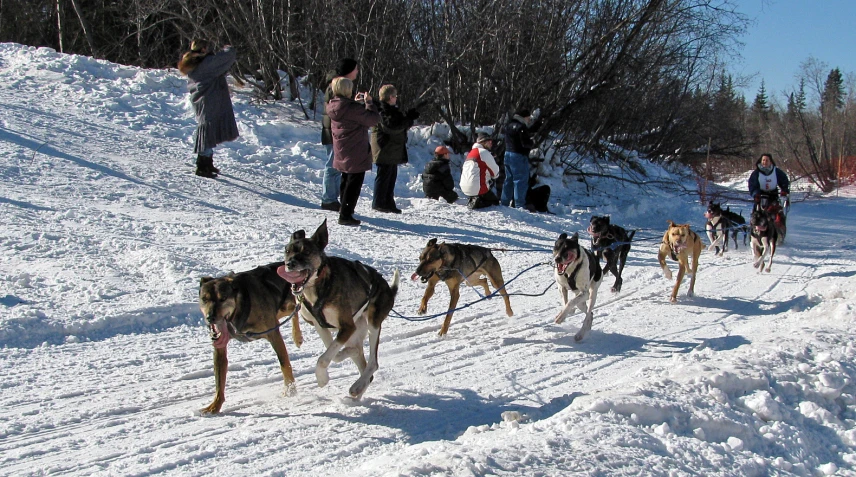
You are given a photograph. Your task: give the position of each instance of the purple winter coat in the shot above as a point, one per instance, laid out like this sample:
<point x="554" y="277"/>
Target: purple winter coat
<point x="350" y="124"/>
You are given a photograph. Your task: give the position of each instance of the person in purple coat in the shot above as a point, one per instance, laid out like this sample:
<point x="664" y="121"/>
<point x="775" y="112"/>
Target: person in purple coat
<point x="350" y="122"/>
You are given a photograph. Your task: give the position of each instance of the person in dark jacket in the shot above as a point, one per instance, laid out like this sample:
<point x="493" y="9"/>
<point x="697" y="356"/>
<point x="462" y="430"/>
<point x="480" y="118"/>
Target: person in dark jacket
<point x="437" y="178"/>
<point x="768" y="181"/>
<point x="389" y="148"/>
<point x="350" y="120"/>
<point x="518" y="143"/>
<point x="209" y="94"/>
<point x="347" y="68"/>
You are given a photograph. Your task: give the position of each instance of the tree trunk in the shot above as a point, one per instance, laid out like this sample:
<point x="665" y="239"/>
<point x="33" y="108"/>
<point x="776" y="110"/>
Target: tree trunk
<point x="86" y="30"/>
<point x="59" y="26"/>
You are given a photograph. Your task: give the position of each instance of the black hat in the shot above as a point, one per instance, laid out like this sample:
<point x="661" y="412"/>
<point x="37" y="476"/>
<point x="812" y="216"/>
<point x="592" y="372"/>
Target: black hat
<point x="482" y="137"/>
<point x="345" y="66"/>
<point x="523" y="113"/>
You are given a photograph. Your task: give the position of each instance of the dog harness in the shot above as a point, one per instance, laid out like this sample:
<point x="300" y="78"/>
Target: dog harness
<point x="445" y="273"/>
<point x="594" y="270"/>
<point x="323" y="292"/>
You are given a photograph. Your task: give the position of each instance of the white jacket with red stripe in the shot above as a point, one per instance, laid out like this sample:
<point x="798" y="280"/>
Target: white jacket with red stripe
<point x="479" y="168"/>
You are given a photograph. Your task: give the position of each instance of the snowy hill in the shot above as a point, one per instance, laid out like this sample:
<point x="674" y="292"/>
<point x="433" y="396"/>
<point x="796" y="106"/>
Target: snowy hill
<point x="107" y="359"/>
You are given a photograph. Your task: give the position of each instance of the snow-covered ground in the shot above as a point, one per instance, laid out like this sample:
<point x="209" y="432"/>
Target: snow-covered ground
<point x="106" y="359"/>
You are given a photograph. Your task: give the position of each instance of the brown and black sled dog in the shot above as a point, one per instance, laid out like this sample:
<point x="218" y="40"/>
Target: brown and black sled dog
<point x="455" y="263"/>
<point x="247" y="306"/>
<point x="340" y="294"/>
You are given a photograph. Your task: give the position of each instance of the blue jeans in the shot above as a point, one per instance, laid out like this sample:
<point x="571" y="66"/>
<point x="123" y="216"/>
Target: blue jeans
<point x="332" y="179"/>
<point x="516" y="179"/>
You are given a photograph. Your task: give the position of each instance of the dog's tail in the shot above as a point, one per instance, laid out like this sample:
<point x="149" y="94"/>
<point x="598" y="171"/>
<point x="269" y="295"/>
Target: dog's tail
<point x="394" y="285"/>
<point x="630" y="237"/>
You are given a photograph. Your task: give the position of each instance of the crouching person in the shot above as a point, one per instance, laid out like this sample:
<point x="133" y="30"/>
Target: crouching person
<point x="479" y="172"/>
<point x="437" y="178"/>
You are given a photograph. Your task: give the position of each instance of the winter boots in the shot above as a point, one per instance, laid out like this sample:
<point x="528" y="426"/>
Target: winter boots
<point x="205" y="167"/>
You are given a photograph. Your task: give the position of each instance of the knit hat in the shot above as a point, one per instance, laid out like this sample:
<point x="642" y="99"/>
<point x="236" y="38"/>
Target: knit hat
<point x="483" y="137"/>
<point x="441" y="150"/>
<point x="345" y="66"/>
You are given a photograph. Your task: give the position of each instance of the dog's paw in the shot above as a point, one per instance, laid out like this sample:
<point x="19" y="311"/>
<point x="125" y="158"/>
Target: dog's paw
<point x="213" y="408"/>
<point x="290" y="390"/>
<point x="357" y="389"/>
<point x="321" y="376"/>
<point x="667" y="273"/>
<point x="422" y="310"/>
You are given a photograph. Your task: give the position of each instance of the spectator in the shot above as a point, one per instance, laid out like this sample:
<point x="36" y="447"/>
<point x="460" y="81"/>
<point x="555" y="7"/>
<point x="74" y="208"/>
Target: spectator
<point x="389" y="148"/>
<point x="209" y="94"/>
<point x="478" y="173"/>
<point x="437" y="178"/>
<point x="349" y="121"/>
<point x="518" y="143"/>
<point x="347" y="68"/>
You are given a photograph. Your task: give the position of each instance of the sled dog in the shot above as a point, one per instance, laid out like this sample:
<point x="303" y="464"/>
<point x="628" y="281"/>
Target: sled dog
<point x="612" y="243"/>
<point x="339" y="294"/>
<point x="247" y="306"/>
<point x="764" y="237"/>
<point x="577" y="270"/>
<point x="455" y="263"/>
<point x="679" y="242"/>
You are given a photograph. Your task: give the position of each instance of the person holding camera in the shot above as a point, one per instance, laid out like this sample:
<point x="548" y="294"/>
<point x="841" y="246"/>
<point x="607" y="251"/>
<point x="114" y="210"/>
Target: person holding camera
<point x="518" y="143"/>
<point x="209" y="94"/>
<point x="330" y="185"/>
<point x="478" y="173"/>
<point x="389" y="148"/>
<point x="349" y="122"/>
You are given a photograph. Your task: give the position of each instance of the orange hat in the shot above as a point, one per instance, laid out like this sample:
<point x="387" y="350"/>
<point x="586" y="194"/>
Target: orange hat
<point x="441" y="150"/>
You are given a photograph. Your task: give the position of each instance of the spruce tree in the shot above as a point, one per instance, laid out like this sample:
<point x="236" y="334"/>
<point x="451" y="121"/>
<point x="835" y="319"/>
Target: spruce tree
<point x="760" y="106"/>
<point x="833" y="90"/>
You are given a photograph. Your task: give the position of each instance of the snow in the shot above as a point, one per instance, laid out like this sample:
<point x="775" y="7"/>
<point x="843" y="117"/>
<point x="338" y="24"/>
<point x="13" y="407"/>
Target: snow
<point x="107" y="360"/>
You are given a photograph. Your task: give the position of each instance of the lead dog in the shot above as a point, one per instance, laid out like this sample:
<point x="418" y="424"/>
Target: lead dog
<point x="679" y="242"/>
<point x="247" y="306"/>
<point x="612" y="243"/>
<point x="764" y="238"/>
<point x="339" y="294"/>
<point x="579" y="270"/>
<point x="455" y="263"/>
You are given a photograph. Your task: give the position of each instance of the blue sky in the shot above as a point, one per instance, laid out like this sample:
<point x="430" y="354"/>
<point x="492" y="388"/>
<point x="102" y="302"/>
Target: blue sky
<point x="784" y="33"/>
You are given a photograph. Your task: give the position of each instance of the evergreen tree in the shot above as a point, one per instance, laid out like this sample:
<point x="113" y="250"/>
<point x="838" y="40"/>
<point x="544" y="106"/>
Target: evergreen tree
<point x="796" y="101"/>
<point x="760" y="106"/>
<point x="833" y="90"/>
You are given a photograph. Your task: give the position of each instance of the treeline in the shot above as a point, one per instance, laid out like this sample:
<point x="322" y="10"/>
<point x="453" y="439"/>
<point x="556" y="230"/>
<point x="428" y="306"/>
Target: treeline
<point x="641" y="75"/>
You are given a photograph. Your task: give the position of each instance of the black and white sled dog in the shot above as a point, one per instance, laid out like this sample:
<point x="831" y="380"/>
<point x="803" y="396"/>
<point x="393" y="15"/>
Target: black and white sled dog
<point x="764" y="238"/>
<point x="612" y="243"/>
<point x="577" y="269"/>
<point x="738" y="224"/>
<point x="718" y="226"/>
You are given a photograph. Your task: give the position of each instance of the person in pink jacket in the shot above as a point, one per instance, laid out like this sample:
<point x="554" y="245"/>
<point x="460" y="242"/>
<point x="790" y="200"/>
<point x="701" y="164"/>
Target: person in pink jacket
<point x="350" y="122"/>
<point x="479" y="172"/>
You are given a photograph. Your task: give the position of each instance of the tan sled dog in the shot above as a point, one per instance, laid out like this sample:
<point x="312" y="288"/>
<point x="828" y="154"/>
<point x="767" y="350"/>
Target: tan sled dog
<point x="339" y="294"/>
<point x="678" y="242"/>
<point x="455" y="263"/>
<point x="247" y="306"/>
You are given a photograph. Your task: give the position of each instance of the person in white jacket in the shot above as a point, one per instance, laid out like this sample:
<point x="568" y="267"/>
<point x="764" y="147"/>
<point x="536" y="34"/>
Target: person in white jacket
<point x="479" y="172"/>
